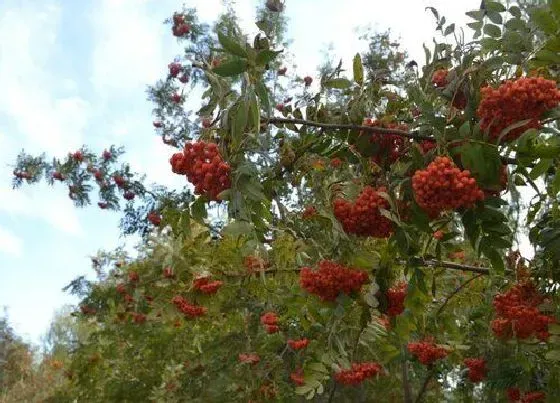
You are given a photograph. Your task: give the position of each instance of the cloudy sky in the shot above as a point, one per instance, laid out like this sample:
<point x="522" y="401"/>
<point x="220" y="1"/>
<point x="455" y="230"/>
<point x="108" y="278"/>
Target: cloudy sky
<point x="75" y="72"/>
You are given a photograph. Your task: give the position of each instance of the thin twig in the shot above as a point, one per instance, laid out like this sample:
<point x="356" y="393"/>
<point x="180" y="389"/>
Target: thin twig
<point x="442" y="307"/>
<point x="406" y="383"/>
<point x="448" y="265"/>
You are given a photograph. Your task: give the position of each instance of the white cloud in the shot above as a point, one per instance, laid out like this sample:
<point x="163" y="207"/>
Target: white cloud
<point x="39" y="121"/>
<point x="10" y="244"/>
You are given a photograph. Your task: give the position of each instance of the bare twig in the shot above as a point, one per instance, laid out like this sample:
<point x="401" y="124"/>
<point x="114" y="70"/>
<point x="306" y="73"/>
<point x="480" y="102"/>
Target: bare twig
<point x="447" y="265"/>
<point x="406" y="383"/>
<point x="424" y="387"/>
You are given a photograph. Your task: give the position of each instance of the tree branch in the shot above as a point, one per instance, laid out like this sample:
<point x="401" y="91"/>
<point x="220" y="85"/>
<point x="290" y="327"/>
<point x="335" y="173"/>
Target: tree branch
<point x="381" y="130"/>
<point x="447" y="265"/>
<point x="442" y="307"/>
<point x="406" y="383"/>
<point x="424" y="387"/>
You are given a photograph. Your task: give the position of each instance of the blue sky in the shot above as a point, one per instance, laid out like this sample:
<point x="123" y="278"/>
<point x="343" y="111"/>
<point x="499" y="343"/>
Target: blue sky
<point x="75" y="72"/>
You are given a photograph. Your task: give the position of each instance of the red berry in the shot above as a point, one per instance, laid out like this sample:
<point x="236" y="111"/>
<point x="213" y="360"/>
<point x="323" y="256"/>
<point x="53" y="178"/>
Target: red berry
<point x="388" y="147"/>
<point x="395" y="299"/>
<point x="298" y="344"/>
<point x="176" y="98"/>
<point x="58" y="176"/>
<point x="438" y="235"/>
<point x="297" y="377"/>
<point x="184" y="78"/>
<point x="78" y="156"/>
<point x="439" y="78"/>
<point x="158" y="124"/>
<point x="154" y="218"/>
<point x="427" y="351"/>
<point x="168" y="272"/>
<point x="282" y="71"/>
<point x="307" y="80"/>
<point x="133" y="277"/>
<point x="128" y="195"/>
<point x="477" y="369"/>
<point x="174" y="69"/>
<point x="309" y="212"/>
<point x="119" y="181"/>
<point x="358" y="373"/>
<point x="107" y="155"/>
<point x="103" y="205"/>
<point x="206" y="123"/>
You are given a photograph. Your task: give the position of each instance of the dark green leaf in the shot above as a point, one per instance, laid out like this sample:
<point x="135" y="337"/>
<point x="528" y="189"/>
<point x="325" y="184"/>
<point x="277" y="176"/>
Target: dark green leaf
<point x="494" y="257"/>
<point x="231" y="46"/>
<point x="198" y="209"/>
<point x="483" y="161"/>
<point x="231" y="68"/>
<point x="476" y="15"/>
<point x="515" y="11"/>
<point x="496" y="18"/>
<point x="494" y="6"/>
<point x="492" y="30"/>
<point x="262" y="92"/>
<point x="548" y="56"/>
<point x="237" y="228"/>
<point x="555" y="184"/>
<point x="476" y="26"/>
<point x="555" y="7"/>
<point x="539" y="169"/>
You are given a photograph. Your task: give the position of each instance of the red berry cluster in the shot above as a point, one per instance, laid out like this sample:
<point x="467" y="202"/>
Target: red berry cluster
<point x="358" y="373"/>
<point x="204" y="167"/>
<point x="189" y="310"/>
<point x="427" y="351"/>
<point x="158" y="124"/>
<point x="443" y="187"/>
<point x="176" y="98"/>
<point x="477" y="369"/>
<point x="516" y="100"/>
<point x="58" y="176"/>
<point x="87" y="310"/>
<point x="119" y="181"/>
<point x="180" y="27"/>
<point x="133" y="277"/>
<point x="389" y="147"/>
<point x="205" y="286"/>
<point x="363" y="217"/>
<point x="298" y="344"/>
<point x="518" y="314"/>
<point x="249" y="358"/>
<point x="297" y="377"/>
<point x="307" y="80"/>
<point x="154" y="218"/>
<point x="395" y="299"/>
<point x="331" y="280"/>
<point x="439" y="78"/>
<point x="309" y="212"/>
<point x="174" y="69"/>
<point x="514" y="395"/>
<point x="270" y="322"/>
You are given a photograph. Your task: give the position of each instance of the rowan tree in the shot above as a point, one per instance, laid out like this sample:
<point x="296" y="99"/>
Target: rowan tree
<point x="373" y="216"/>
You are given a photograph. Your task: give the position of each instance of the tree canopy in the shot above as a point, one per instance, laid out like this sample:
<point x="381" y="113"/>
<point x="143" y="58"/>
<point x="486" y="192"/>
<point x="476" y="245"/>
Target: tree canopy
<point x="347" y="237"/>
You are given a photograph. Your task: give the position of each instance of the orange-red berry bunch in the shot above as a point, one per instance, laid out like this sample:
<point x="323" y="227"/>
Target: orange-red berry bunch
<point x="443" y="187"/>
<point x="309" y="212"/>
<point x="188" y="309"/>
<point x="515" y="395"/>
<point x="154" y="218"/>
<point x="204" y="167"/>
<point x="270" y="322"/>
<point x="427" y="351"/>
<point x="363" y="217"/>
<point x="439" y="78"/>
<point x="477" y="369"/>
<point x="426" y="146"/>
<point x="518" y="314"/>
<point x="359" y="372"/>
<point x="395" y="299"/>
<point x="298" y="344"/>
<point x="331" y="280"/>
<point x="389" y="147"/>
<point x="205" y="286"/>
<point x="516" y="100"/>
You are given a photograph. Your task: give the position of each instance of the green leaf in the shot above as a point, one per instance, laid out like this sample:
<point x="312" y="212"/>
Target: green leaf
<point x="476" y="15"/>
<point x="266" y="56"/>
<point x="544" y="20"/>
<point x="515" y="11"/>
<point x="495" y="17"/>
<point x="555" y="7"/>
<point x="237" y="228"/>
<point x="262" y="92"/>
<point x="231" y="68"/>
<point x="358" y="69"/>
<point x="494" y="6"/>
<point x="339" y="83"/>
<point x="541" y="168"/>
<point x="483" y="161"/>
<point x="555" y="184"/>
<point x="494" y="257"/>
<point x="548" y="56"/>
<point x="241" y="114"/>
<point x="492" y="30"/>
<point x="449" y="29"/>
<point x="231" y="45"/>
<point x="553" y="355"/>
<point x="465" y="129"/>
<point x="198" y="209"/>
<point x="554" y="328"/>
<point x="475" y="26"/>
<point x="254" y="112"/>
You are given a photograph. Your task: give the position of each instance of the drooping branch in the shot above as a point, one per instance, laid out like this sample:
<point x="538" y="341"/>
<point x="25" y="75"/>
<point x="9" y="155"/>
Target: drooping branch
<point x="447" y="265"/>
